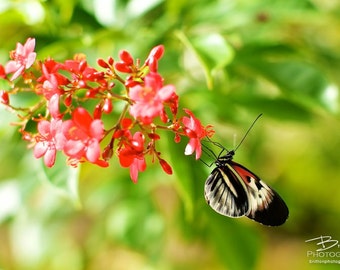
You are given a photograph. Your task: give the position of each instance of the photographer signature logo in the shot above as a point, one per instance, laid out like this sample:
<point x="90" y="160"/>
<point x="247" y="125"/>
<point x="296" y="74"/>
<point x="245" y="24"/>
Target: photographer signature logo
<point x="327" y="250"/>
<point x="326" y="242"/>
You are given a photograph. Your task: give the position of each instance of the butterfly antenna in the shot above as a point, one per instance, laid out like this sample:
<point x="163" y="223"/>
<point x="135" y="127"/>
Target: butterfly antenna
<point x="208" y="151"/>
<point x="245" y="135"/>
<point x="216" y="144"/>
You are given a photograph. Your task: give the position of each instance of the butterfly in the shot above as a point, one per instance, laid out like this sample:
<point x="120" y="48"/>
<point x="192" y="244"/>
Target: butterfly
<point x="233" y="190"/>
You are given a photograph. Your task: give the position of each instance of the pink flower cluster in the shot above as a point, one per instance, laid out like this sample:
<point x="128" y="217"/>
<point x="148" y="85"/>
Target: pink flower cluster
<point x="74" y="97"/>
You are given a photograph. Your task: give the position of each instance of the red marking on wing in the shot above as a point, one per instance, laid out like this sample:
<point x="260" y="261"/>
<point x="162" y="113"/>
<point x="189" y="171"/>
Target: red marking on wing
<point x="244" y="172"/>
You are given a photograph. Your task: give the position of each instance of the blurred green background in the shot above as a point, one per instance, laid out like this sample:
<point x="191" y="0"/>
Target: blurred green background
<point x="230" y="61"/>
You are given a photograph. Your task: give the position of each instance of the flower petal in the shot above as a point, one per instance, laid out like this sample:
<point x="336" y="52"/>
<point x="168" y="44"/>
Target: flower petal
<point x="40" y="149"/>
<point x="166" y="92"/>
<point x="97" y="129"/>
<point x="190" y="148"/>
<point x="82" y="118"/>
<point x="49" y="157"/>
<point x="93" y="151"/>
<point x="44" y="128"/>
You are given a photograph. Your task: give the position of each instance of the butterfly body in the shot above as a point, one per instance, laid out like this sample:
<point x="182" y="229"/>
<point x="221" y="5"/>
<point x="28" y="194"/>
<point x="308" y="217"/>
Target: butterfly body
<point x="234" y="191"/>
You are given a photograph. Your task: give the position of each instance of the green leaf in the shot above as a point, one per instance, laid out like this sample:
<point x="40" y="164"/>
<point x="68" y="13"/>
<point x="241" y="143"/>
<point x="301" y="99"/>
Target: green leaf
<point x="232" y="238"/>
<point x="63" y="177"/>
<point x="301" y="82"/>
<point x="279" y="108"/>
<point x="212" y="51"/>
<point x="182" y="169"/>
<point x="4" y="84"/>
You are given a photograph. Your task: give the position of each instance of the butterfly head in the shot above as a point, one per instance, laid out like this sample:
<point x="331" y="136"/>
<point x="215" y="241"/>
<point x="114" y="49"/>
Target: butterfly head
<point x="221" y="160"/>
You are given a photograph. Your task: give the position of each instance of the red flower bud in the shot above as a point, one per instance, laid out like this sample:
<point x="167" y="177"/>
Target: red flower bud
<point x="81" y="84"/>
<point x="152" y="62"/>
<point x="177" y="138"/>
<point x="123" y="67"/>
<point x="2" y="72"/>
<point x="131" y="83"/>
<point x="118" y="133"/>
<point x="154" y="136"/>
<point x="97" y="113"/>
<point x="82" y="65"/>
<point x="107" y="107"/>
<point x="164" y="117"/>
<point x="107" y="153"/>
<point x="68" y="100"/>
<point x="126" y="57"/>
<point x="126" y="123"/>
<point x="4" y="97"/>
<point x="157" y="52"/>
<point x="102" y="163"/>
<point x="91" y="93"/>
<point x="165" y="166"/>
<point x="110" y="61"/>
<point x="102" y="63"/>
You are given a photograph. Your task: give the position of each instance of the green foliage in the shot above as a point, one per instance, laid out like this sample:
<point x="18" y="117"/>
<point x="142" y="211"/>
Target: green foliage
<point x="229" y="61"/>
<point x="64" y="178"/>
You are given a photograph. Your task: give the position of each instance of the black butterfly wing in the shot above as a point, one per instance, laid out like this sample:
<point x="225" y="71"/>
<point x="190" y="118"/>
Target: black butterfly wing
<point x="265" y="205"/>
<point x="226" y="193"/>
<point x="275" y="214"/>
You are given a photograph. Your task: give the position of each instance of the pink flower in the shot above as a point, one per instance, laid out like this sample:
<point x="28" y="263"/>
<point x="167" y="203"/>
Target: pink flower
<point x="81" y="72"/>
<point x="22" y="58"/>
<point x="49" y="140"/>
<point x="83" y="135"/>
<point x="149" y="99"/>
<point x="49" y="66"/>
<point x="51" y="82"/>
<point x="50" y="87"/>
<point x="53" y="107"/>
<point x="131" y="154"/>
<point x="196" y="132"/>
